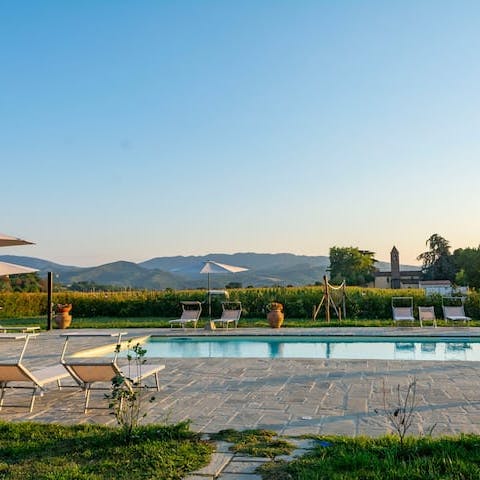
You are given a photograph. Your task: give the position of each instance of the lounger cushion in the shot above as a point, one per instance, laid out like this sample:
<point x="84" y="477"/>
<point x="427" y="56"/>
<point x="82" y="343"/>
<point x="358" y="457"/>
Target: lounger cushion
<point x="455" y="313"/>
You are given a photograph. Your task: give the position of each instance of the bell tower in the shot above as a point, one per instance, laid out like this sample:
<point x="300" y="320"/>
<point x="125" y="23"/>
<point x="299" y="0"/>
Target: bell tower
<point x="395" y="268"/>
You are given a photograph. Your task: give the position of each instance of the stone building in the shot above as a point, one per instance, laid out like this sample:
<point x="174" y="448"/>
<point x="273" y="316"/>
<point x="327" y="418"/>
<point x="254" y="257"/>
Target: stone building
<point x="397" y="278"/>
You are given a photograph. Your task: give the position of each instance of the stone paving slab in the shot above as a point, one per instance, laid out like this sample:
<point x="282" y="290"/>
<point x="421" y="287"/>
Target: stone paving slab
<point x="258" y="460"/>
<point x="199" y="477"/>
<point x="290" y="396"/>
<point x="239" y="476"/>
<point x="217" y="464"/>
<point x="241" y="467"/>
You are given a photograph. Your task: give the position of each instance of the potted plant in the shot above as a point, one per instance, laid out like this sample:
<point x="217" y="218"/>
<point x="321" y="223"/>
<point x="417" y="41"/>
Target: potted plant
<point x="63" y="308"/>
<point x="63" y="319"/>
<point x="275" y="314"/>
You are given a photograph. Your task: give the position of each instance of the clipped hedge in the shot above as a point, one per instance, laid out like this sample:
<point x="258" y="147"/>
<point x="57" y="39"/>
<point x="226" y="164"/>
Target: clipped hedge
<point x="361" y="303"/>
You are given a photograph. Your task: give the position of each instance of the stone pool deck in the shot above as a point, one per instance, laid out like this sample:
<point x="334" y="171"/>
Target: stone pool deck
<point x="290" y="396"/>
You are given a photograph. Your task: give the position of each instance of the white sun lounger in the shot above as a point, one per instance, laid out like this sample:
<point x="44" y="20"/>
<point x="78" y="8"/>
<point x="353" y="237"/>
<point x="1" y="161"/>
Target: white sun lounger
<point x="427" y="314"/>
<point x="86" y="372"/>
<point x="455" y="313"/>
<point x="19" y="328"/>
<point x="231" y="313"/>
<point x="402" y="313"/>
<point x="190" y="314"/>
<point x="15" y="374"/>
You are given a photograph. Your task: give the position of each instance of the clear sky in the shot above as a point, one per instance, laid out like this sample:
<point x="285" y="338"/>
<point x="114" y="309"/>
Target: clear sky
<point x="136" y="129"/>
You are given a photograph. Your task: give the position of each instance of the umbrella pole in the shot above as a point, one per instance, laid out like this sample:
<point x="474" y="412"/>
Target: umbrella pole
<point x="209" y="298"/>
<point x="209" y="325"/>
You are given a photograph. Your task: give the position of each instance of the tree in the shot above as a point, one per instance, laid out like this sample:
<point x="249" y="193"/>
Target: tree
<point x="438" y="262"/>
<point x="5" y="285"/>
<point x="26" y="282"/>
<point x="467" y="262"/>
<point x="356" y="266"/>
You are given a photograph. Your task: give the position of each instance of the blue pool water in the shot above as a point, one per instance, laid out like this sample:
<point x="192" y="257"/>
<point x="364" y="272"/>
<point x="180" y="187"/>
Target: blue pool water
<point x="384" y="348"/>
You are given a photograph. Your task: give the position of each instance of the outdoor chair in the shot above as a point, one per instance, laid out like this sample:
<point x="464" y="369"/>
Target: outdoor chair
<point x="15" y="374"/>
<point x="427" y="314"/>
<point x="231" y="313"/>
<point x="402" y="313"/>
<point x="453" y="309"/>
<point x="89" y="371"/>
<point x="190" y="314"/>
<point x="455" y="313"/>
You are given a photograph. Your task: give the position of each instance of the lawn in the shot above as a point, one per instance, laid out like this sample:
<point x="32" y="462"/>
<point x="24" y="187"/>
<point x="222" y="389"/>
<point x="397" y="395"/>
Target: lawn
<point x="364" y="458"/>
<point x="30" y="451"/>
<point x="158" y="322"/>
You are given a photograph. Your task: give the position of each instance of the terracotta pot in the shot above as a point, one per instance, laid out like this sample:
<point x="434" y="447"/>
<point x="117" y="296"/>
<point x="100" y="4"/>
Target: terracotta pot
<point x="275" y="315"/>
<point x="63" y="308"/>
<point x="63" y="320"/>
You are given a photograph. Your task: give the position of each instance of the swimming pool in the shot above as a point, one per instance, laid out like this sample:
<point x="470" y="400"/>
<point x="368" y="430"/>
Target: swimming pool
<point x="375" y="348"/>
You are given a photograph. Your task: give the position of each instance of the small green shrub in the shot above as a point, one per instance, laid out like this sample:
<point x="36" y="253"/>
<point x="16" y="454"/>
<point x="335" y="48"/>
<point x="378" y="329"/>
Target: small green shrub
<point x="257" y="443"/>
<point x="127" y="397"/>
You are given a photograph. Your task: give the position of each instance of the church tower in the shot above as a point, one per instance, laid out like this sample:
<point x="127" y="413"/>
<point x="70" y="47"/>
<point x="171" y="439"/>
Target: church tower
<point x="395" y="268"/>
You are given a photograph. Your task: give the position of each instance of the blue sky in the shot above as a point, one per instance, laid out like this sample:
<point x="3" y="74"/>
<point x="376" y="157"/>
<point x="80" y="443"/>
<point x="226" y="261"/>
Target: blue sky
<point x="131" y="130"/>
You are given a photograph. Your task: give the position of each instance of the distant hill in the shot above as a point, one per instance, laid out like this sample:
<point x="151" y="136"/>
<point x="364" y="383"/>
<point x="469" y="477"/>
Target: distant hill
<point x="124" y="274"/>
<point x="265" y="269"/>
<point x="252" y="261"/>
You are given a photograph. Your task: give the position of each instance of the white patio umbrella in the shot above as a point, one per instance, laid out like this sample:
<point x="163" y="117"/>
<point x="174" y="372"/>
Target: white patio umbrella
<point x="13" y="269"/>
<point x="8" y="241"/>
<point x="211" y="267"/>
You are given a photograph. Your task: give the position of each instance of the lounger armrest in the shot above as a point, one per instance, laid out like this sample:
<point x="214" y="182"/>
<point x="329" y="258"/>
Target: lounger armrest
<point x="50" y="374"/>
<point x="153" y="368"/>
<point x="147" y="371"/>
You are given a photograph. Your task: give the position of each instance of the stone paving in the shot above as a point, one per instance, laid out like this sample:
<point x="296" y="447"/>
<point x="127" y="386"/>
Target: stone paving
<point x="289" y="396"/>
<point x="226" y="465"/>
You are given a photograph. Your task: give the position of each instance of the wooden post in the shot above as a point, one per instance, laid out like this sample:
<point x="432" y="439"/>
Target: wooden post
<point x="327" y="299"/>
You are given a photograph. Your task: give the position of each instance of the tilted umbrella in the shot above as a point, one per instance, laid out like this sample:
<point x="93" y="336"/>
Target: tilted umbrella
<point x="8" y="241"/>
<point x="13" y="269"/>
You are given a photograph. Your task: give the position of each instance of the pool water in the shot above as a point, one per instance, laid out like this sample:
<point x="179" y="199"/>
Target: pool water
<point x="381" y="348"/>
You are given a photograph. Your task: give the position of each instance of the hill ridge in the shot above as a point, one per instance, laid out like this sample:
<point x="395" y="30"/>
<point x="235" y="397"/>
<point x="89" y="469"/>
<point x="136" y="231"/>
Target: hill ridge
<point x="158" y="273"/>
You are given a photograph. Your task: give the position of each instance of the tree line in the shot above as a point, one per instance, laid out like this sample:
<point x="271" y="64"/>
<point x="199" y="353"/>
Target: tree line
<point x="462" y="267"/>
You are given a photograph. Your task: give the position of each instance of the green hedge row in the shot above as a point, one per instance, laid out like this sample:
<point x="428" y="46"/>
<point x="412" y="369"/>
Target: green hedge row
<point x="361" y="303"/>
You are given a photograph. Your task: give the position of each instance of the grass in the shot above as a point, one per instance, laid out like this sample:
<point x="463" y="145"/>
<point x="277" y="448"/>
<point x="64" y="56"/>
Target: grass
<point x="364" y="458"/>
<point x="30" y="451"/>
<point x="257" y="443"/>
<point x="156" y="322"/>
